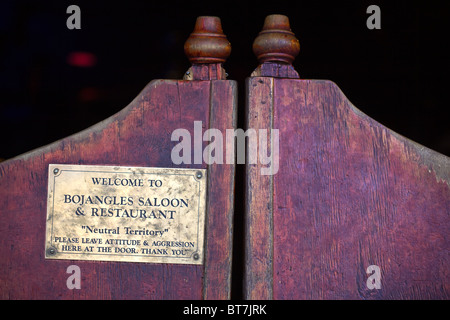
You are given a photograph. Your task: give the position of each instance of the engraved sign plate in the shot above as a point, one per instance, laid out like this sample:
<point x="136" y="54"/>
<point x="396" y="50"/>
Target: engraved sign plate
<point x="133" y="214"/>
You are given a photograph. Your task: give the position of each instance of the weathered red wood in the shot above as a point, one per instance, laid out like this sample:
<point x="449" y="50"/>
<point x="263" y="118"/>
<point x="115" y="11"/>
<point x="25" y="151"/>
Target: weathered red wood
<point x="276" y="70"/>
<point x="207" y="48"/>
<point x="259" y="202"/>
<point x="276" y="48"/>
<point x="220" y="198"/>
<point x="349" y="193"/>
<point x="276" y="42"/>
<point x="207" y="43"/>
<point x="210" y="71"/>
<point x="139" y="135"/>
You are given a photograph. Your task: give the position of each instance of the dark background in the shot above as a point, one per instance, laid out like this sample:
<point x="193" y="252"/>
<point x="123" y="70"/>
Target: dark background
<point x="395" y="75"/>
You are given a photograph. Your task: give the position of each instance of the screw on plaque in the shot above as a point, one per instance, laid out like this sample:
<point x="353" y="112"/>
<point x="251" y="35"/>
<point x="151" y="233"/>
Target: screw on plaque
<point x="55" y="171"/>
<point x="196" y="256"/>
<point x="51" y="251"/>
<point x="199" y="175"/>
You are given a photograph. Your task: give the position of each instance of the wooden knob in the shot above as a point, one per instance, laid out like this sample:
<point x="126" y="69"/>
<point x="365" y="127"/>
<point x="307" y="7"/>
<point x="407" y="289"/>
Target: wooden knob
<point x="207" y="43"/>
<point x="276" y="42"/>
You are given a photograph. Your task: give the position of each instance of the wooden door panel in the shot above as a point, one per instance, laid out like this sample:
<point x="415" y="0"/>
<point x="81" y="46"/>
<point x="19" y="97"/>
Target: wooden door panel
<point x="139" y="135"/>
<point x="349" y="193"/>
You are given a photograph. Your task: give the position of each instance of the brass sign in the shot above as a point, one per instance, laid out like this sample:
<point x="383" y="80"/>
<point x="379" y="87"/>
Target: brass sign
<point x="134" y="214"/>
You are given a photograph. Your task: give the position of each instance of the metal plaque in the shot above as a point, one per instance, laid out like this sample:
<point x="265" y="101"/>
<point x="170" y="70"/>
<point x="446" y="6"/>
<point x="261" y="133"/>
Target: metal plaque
<point x="133" y="214"/>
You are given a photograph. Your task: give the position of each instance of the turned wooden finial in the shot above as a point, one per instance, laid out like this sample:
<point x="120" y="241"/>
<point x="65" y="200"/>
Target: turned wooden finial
<point x="207" y="48"/>
<point x="276" y="48"/>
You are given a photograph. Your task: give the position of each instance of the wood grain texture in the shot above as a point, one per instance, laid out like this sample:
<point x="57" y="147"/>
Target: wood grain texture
<point x="259" y="201"/>
<point x="139" y="135"/>
<point x="210" y="71"/>
<point x="351" y="193"/>
<point x="276" y="70"/>
<point x="220" y="199"/>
